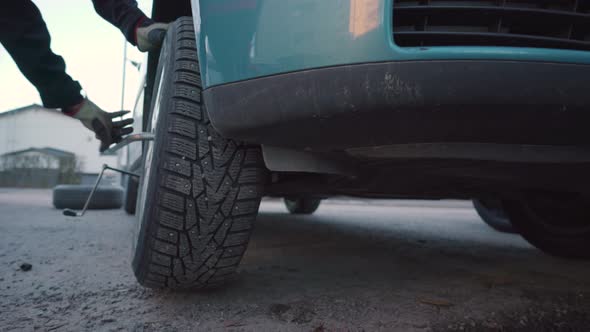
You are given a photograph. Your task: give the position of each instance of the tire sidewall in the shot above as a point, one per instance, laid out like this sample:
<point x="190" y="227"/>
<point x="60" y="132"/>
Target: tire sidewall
<point x="157" y="124"/>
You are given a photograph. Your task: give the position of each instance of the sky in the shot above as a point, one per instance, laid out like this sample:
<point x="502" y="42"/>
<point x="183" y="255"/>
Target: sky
<point x="92" y="49"/>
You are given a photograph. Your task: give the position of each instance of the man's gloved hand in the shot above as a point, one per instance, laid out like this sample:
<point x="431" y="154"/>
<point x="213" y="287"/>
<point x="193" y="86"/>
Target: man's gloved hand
<point x="150" y="35"/>
<point x="101" y="123"/>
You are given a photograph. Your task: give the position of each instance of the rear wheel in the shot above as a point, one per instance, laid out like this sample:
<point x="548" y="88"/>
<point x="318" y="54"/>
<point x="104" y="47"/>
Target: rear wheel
<point x="556" y="224"/>
<point x="199" y="193"/>
<point x="492" y="213"/>
<point x="302" y="205"/>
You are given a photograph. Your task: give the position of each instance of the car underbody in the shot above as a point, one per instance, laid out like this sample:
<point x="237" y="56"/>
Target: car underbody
<point x="509" y="132"/>
<point x="307" y="157"/>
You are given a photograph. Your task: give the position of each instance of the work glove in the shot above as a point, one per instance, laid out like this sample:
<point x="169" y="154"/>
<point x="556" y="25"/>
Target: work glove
<point x="101" y="123"/>
<point x="149" y="35"/>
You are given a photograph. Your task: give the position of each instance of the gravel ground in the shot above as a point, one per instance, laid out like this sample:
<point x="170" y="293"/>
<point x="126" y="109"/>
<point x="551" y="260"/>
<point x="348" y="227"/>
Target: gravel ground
<point x="354" y="265"/>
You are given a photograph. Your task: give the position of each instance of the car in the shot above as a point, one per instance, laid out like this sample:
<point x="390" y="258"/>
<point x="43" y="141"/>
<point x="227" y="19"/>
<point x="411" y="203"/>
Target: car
<point x="309" y="99"/>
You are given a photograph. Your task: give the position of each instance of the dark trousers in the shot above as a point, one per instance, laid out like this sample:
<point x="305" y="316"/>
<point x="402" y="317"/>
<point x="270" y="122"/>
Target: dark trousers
<point x="24" y="35"/>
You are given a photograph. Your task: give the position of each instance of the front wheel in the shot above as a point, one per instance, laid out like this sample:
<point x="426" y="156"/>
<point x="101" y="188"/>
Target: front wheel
<point x="199" y="193"/>
<point x="556" y="224"/>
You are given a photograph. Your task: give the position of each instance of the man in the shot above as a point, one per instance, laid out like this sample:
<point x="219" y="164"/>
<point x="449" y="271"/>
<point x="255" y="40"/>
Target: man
<point x="24" y="35"/>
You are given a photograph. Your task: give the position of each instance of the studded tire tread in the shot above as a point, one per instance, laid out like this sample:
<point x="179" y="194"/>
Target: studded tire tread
<point x="203" y="191"/>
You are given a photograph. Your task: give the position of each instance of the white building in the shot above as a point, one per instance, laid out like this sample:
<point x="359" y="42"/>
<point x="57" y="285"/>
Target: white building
<point x="37" y="127"/>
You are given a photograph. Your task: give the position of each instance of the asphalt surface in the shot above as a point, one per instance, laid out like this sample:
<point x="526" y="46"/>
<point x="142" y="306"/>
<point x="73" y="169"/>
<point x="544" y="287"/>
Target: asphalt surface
<point x="352" y="266"/>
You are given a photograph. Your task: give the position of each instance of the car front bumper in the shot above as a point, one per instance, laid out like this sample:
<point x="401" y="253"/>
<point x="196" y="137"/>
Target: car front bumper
<point x="408" y="102"/>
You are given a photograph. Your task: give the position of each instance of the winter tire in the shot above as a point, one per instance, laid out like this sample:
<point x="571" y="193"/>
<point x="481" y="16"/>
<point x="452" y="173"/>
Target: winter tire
<point x="199" y="193"/>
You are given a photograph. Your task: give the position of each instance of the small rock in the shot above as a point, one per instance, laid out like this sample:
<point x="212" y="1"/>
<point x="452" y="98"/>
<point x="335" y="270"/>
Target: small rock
<point x="25" y="267"/>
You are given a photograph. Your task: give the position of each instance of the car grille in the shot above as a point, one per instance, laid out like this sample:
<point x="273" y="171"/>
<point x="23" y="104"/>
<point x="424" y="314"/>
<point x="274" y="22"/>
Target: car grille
<point x="562" y="24"/>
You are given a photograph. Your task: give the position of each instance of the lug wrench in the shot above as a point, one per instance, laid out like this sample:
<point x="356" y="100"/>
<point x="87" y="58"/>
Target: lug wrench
<point x="73" y="213"/>
<point x="138" y="137"/>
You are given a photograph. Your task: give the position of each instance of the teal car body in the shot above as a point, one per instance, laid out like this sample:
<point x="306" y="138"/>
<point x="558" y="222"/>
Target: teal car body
<point x="407" y="71"/>
<point x="244" y="39"/>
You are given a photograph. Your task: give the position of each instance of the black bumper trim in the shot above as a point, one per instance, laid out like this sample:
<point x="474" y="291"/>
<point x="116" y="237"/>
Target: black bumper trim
<point x="503" y="102"/>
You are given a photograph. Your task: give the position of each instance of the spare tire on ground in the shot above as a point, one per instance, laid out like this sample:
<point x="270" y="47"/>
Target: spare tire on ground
<point x="68" y="196"/>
